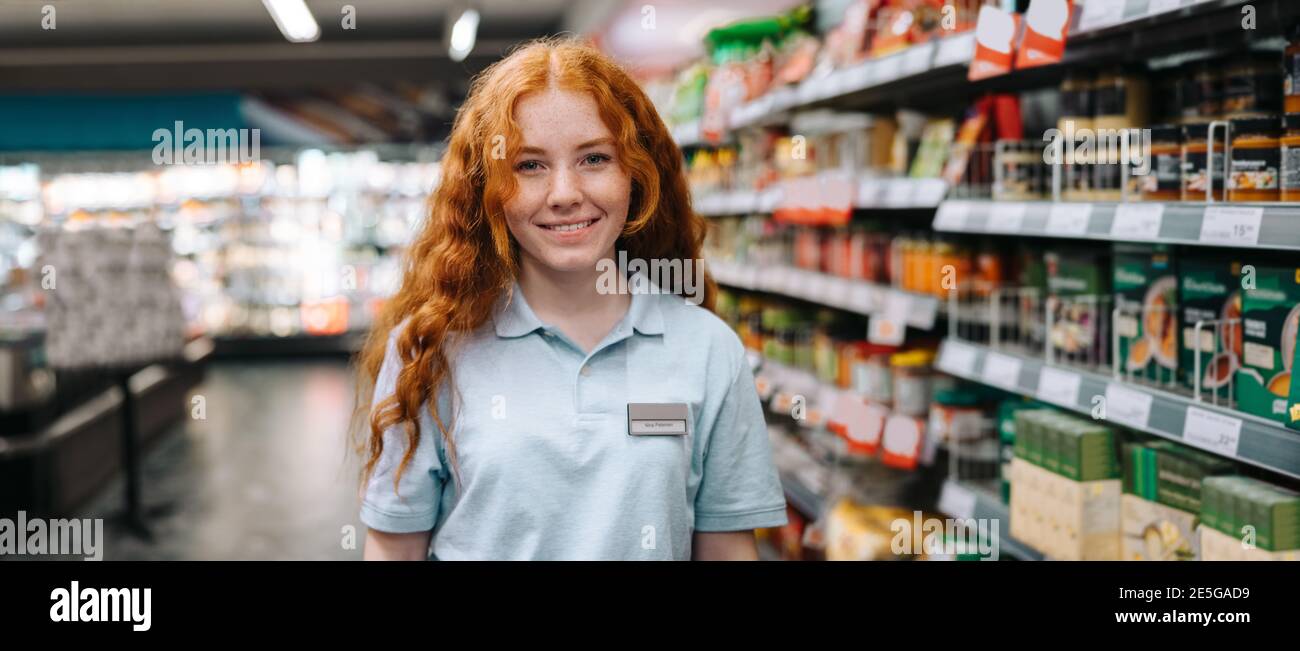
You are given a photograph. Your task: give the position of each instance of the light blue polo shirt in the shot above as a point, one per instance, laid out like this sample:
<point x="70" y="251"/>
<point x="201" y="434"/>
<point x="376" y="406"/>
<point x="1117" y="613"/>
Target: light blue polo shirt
<point x="548" y="468"/>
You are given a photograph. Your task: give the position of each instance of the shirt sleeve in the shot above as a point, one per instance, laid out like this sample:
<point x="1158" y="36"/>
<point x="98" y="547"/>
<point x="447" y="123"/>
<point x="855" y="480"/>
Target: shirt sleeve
<point x="413" y="505"/>
<point x="740" y="488"/>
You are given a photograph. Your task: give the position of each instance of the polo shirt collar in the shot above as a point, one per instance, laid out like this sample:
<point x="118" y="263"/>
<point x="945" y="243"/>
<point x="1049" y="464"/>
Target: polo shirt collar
<point x="515" y="318"/>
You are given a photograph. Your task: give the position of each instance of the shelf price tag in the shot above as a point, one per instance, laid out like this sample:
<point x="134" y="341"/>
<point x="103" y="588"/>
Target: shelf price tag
<point x="957" y="500"/>
<point x="1236" y="226"/>
<point x="898" y="193"/>
<point x="955" y="49"/>
<point x="887" y="69"/>
<point x="889" y="325"/>
<point x="929" y="192"/>
<point x="1137" y="221"/>
<point x="917" y="58"/>
<point x="952" y="216"/>
<point x="1006" y="217"/>
<point x="862" y="298"/>
<point x="1001" y="370"/>
<point x="957" y="359"/>
<point x="1161" y="6"/>
<point x="1218" y="433"/>
<point x="1059" y="386"/>
<point x="1069" y="219"/>
<point x="1101" y="13"/>
<point x="1127" y="406"/>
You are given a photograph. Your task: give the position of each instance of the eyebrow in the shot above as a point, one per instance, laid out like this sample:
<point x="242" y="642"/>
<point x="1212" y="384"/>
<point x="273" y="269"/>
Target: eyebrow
<point x="586" y="145"/>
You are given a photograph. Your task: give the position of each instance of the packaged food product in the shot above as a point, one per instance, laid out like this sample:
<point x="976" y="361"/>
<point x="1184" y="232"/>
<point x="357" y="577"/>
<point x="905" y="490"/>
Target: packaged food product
<point x="1232" y="503"/>
<point x="902" y="441"/>
<point x="1291" y="70"/>
<point x="911" y="373"/>
<point x="1209" y="291"/>
<point x="1164" y="181"/>
<point x="1155" y="532"/>
<point x="1256" y="163"/>
<point x="1062" y="518"/>
<point x="955" y="415"/>
<point x="1078" y="288"/>
<point x="1146" y="292"/>
<point x="1168" y="473"/>
<point x="1196" y="178"/>
<point x="1253" y="85"/>
<point x="1270" y="318"/>
<point x="1290" y="174"/>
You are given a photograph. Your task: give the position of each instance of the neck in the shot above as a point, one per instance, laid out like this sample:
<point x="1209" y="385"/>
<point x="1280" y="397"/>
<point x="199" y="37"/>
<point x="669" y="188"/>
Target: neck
<point x="558" y="295"/>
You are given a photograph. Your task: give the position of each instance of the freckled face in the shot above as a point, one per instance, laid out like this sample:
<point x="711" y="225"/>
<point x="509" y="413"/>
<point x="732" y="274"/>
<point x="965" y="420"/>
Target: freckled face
<point x="573" y="194"/>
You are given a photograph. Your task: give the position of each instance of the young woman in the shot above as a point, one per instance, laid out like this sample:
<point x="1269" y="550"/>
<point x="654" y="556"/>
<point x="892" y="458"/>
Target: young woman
<point x="546" y="381"/>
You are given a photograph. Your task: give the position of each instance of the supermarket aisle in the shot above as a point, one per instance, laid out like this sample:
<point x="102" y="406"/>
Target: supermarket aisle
<point x="263" y="477"/>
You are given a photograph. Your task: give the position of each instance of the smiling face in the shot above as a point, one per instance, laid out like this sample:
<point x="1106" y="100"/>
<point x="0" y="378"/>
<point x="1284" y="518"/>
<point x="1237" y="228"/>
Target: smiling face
<point x="573" y="195"/>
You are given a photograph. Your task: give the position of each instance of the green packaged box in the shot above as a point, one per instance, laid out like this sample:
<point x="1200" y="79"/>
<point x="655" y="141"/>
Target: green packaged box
<point x="1169" y="473"/>
<point x="1233" y="503"/>
<point x="1209" y="290"/>
<point x="1270" y="319"/>
<point x="1146" y="293"/>
<point x="1078" y="282"/>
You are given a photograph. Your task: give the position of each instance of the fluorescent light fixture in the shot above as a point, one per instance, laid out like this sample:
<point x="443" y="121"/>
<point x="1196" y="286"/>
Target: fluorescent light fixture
<point x="294" y="20"/>
<point x="463" y="34"/>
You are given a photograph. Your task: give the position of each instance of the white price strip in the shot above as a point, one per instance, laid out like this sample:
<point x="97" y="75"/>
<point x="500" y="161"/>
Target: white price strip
<point x="929" y="192"/>
<point x="898" y="193"/>
<point x="1006" y="217"/>
<point x="952" y="216"/>
<point x="1001" y="370"/>
<point x="1218" y="433"/>
<point x="888" y="69"/>
<point x="957" y="359"/>
<point x="955" y="49"/>
<point x="1127" y="406"/>
<point x="889" y="325"/>
<point x="957" y="501"/>
<point x="1059" y="387"/>
<point x="917" y="59"/>
<point x="1231" y="225"/>
<point x="1100" y="13"/>
<point x="862" y="298"/>
<point x="1139" y="221"/>
<point x="1161" y="6"/>
<point x="1069" y="218"/>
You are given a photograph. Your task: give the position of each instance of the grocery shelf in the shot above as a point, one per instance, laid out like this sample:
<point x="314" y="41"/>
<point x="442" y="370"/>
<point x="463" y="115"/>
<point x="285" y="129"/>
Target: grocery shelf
<point x="965" y="500"/>
<point x="802" y="498"/>
<point x="842" y="293"/>
<point x="1225" y="432"/>
<point x="1241" y="225"/>
<point x="868" y="192"/>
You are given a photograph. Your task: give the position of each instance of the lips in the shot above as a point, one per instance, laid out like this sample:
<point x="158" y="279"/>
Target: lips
<point x="570" y="227"/>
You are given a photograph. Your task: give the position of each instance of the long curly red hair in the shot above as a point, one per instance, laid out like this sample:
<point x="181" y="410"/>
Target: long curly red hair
<point x="465" y="258"/>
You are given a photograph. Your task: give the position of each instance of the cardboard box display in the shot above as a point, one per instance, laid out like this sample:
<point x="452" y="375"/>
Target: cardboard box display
<point x="1146" y="291"/>
<point x="1062" y="518"/>
<point x="1154" y="532"/>
<point x="1209" y="289"/>
<point x="1239" y="506"/>
<point x="1270" y="321"/>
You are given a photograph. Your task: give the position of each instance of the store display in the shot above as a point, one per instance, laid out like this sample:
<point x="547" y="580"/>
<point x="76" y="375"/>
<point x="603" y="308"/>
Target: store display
<point x="1209" y="294"/>
<point x="1146" y="298"/>
<point x="1270" y="318"/>
<point x="1255" y="168"/>
<point x="1267" y="516"/>
<point x="1155" y="532"/>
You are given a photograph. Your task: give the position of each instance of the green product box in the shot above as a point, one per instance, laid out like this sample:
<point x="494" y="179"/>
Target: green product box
<point x="1052" y="444"/>
<point x="1209" y="289"/>
<point x="1212" y="503"/>
<point x="1270" y="320"/>
<point x="1146" y="291"/>
<point x="1078" y="281"/>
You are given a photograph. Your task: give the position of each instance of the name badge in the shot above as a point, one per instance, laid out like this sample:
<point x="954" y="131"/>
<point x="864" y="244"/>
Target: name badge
<point x="657" y="418"/>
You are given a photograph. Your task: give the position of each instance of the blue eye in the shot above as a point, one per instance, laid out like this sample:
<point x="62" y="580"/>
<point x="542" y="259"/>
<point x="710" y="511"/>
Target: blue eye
<point x="595" y="159"/>
<point x="528" y="166"/>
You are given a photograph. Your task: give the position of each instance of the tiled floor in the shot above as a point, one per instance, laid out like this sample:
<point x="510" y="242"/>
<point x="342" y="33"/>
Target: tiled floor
<point x="267" y="475"/>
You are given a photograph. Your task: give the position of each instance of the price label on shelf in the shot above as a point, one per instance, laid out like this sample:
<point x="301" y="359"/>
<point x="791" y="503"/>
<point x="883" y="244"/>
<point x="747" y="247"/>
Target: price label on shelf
<point x="862" y="298"/>
<point x="1216" y="432"/>
<point x="1001" y="370"/>
<point x="1161" y="6"/>
<point x="868" y="192"/>
<point x="955" y="49"/>
<point x="1231" y="225"/>
<point x="957" y="500"/>
<point x="1127" y="406"/>
<point x="957" y="359"/>
<point x="1006" y="217"/>
<point x="898" y="193"/>
<point x="916" y="59"/>
<point x="1137" y="221"/>
<point x="1068" y="219"/>
<point x="1059" y="386"/>
<point x="859" y="76"/>
<point x="929" y="192"/>
<point x="952" y="216"/>
<point x="889" y="324"/>
<point x="888" y="69"/>
<point x="1101" y="13"/>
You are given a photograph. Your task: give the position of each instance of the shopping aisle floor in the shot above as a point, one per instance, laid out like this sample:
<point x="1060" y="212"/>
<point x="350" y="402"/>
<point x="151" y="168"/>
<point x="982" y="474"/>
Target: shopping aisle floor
<point x="265" y="476"/>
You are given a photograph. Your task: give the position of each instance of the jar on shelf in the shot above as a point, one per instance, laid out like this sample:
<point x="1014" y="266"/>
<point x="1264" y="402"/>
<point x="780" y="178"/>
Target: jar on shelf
<point x="1196" y="174"/>
<point x="955" y="415"/>
<point x="1253" y="86"/>
<point x="872" y="378"/>
<point x="1256" y="159"/>
<point x="1291" y="157"/>
<point x="1291" y="70"/>
<point x="1164" y="181"/>
<point x="912" y="374"/>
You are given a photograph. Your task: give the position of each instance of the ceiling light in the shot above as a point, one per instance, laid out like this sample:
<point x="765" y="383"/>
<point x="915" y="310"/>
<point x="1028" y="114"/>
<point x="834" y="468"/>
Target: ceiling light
<point x="463" y="34"/>
<point x="294" y="20"/>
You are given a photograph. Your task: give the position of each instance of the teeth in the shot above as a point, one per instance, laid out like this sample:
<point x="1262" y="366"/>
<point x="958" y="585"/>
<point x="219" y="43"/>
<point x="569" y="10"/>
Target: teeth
<point x="572" y="227"/>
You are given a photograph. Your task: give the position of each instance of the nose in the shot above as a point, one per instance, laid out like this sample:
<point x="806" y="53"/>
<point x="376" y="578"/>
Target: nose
<point x="566" y="190"/>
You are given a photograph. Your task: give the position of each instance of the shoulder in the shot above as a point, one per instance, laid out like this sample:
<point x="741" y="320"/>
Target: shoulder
<point x="694" y="326"/>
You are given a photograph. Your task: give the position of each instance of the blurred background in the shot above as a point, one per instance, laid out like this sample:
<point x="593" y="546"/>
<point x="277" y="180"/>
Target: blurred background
<point x="203" y="205"/>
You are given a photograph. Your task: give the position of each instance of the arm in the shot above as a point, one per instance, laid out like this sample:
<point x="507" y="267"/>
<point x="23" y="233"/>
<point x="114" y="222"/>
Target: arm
<point x="724" y="546"/>
<point x="384" y="546"/>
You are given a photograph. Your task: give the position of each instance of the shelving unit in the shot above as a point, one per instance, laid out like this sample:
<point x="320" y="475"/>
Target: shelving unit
<point x="1225" y="432"/>
<point x="964" y="500"/>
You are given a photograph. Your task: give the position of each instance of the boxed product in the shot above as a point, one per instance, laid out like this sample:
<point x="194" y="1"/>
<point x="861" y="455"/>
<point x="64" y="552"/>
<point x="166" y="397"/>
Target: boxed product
<point x="1169" y="473"/>
<point x="1146" y="291"/>
<point x="1154" y="532"/>
<point x="1219" y="546"/>
<point x="1078" y="284"/>
<point x="1209" y="289"/>
<point x="1241" y="506"/>
<point x="1270" y="319"/>
<point x="1075" y="448"/>
<point x="1062" y="518"/>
